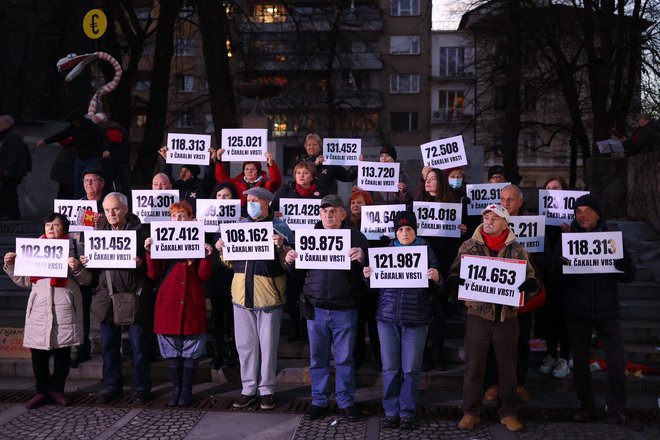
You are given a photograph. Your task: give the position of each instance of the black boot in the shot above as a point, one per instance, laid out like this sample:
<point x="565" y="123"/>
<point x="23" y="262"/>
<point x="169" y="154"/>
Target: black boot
<point x="176" y="373"/>
<point x="189" y="369"/>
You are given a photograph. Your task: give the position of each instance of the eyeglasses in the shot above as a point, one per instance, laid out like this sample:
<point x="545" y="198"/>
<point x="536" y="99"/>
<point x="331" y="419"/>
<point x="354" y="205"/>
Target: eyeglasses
<point x="90" y="181"/>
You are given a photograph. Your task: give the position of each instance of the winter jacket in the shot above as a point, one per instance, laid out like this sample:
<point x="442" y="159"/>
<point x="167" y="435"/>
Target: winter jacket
<point x="392" y="198"/>
<point x="180" y="304"/>
<point x="476" y="246"/>
<point x="291" y="192"/>
<point x="272" y="184"/>
<point x="327" y="175"/>
<point x="408" y="306"/>
<point x="591" y="296"/>
<point x="88" y="140"/>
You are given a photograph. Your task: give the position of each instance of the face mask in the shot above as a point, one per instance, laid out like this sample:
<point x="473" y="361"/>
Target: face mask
<point x="455" y="182"/>
<point x="254" y="209"/>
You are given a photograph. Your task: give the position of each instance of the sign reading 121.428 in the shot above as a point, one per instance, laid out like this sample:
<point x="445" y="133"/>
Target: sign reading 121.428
<point x="444" y="153"/>
<point x="191" y="149"/>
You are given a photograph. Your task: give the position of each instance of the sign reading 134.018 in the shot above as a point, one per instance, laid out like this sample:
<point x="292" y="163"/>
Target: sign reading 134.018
<point x="244" y="144"/>
<point x="191" y="149"/>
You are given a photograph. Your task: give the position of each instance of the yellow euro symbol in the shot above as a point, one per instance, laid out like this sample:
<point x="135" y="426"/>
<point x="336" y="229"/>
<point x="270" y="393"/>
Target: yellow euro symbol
<point x="95" y="23"/>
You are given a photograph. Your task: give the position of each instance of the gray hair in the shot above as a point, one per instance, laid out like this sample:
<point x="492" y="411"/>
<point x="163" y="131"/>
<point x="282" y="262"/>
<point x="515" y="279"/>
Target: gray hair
<point x="122" y="198"/>
<point x="516" y="188"/>
<point x="8" y="119"/>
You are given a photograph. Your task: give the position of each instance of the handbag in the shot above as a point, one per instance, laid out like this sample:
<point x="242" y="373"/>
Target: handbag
<point x="124" y="304"/>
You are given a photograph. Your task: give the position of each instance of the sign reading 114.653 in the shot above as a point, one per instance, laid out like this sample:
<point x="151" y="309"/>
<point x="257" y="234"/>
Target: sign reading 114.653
<point x="592" y="252"/>
<point x="191" y="149"/>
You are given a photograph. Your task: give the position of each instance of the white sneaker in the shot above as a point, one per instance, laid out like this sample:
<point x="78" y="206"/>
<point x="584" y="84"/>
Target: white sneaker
<point x="561" y="369"/>
<point x="548" y="365"/>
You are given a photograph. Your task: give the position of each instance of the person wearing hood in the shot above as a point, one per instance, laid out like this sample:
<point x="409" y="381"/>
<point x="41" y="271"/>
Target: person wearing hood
<point x="591" y="301"/>
<point x="252" y="175"/>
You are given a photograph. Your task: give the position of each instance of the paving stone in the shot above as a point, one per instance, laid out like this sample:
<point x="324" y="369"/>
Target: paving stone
<point x="160" y="424"/>
<point x="581" y="431"/>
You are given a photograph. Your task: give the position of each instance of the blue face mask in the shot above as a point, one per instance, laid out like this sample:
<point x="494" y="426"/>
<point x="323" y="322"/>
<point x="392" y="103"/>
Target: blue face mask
<point x="254" y="209"/>
<point x="455" y="182"/>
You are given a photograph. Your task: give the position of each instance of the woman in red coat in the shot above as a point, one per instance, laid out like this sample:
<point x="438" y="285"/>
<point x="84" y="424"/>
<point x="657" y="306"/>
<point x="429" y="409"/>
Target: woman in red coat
<point x="180" y="312"/>
<point x="251" y="176"/>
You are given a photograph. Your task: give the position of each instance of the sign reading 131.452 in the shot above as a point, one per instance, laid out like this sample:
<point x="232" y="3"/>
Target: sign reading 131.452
<point x="337" y="151"/>
<point x="191" y="149"/>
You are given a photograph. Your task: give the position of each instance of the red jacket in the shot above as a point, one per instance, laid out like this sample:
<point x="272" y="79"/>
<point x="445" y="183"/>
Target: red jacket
<point x="272" y="184"/>
<point x="180" y="303"/>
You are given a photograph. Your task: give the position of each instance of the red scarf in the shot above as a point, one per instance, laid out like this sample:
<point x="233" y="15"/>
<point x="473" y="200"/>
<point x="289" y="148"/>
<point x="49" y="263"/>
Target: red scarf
<point x="495" y="243"/>
<point x="306" y="192"/>
<point x="54" y="282"/>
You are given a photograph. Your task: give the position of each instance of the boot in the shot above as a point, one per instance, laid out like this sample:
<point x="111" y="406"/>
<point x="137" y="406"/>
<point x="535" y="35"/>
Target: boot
<point x="176" y="373"/>
<point x="189" y="369"/>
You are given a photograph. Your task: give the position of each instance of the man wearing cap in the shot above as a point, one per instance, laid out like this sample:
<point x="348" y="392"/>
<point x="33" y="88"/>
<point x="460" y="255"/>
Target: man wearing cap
<point x="189" y="184"/>
<point x="497" y="174"/>
<point x="592" y="301"/>
<point x="332" y="317"/>
<point x="488" y="322"/>
<point x="257" y="291"/>
<point x="645" y="139"/>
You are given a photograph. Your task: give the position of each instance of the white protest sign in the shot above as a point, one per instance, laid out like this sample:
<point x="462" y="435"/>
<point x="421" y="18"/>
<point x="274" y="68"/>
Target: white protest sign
<point x="610" y="146"/>
<point x="74" y="211"/>
<point x="591" y="252"/>
<point x="378" y="176"/>
<point x="530" y="231"/>
<point x="492" y="280"/>
<point x="482" y="195"/>
<point x="557" y="205"/>
<point x="153" y="205"/>
<point x="400" y="266"/>
<point x="376" y="220"/>
<point x="191" y="149"/>
<point x="177" y="240"/>
<point x="36" y="257"/>
<point x="341" y="151"/>
<point x="244" y="144"/>
<point x="437" y="219"/>
<point x="323" y="249"/>
<point x="444" y="153"/>
<point x="111" y="249"/>
<point x="300" y="213"/>
<point x="248" y="241"/>
<point x="213" y="212"/>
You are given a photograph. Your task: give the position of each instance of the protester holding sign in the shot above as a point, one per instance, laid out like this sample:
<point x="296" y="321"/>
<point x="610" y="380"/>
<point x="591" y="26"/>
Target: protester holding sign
<point x="251" y="176"/>
<point x="404" y="315"/>
<point x="113" y="282"/>
<point x="488" y="322"/>
<point x="404" y="189"/>
<point x="180" y="313"/>
<point x="257" y="292"/>
<point x="52" y="323"/>
<point x="591" y="301"/>
<point x="326" y="175"/>
<point x="189" y="184"/>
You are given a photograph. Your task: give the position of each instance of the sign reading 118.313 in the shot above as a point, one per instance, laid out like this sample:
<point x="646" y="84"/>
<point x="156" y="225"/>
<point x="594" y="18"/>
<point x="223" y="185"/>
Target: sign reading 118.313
<point x="191" y="149"/>
<point x="591" y="252"/>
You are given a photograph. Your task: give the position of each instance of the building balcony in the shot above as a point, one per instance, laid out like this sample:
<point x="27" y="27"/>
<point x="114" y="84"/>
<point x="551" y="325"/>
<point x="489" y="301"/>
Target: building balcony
<point x="457" y="116"/>
<point x="458" y="76"/>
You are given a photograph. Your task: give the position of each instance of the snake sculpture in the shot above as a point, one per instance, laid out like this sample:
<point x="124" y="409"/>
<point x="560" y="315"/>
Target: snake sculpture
<point x="75" y="64"/>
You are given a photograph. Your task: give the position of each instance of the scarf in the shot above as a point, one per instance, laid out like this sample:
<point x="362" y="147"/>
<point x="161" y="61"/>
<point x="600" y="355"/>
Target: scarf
<point x="495" y="243"/>
<point x="416" y="242"/>
<point x="54" y="282"/>
<point x="306" y="192"/>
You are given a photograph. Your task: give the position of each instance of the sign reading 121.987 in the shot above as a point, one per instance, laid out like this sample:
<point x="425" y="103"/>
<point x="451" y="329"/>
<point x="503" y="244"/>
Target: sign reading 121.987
<point x="444" y="153"/>
<point x="244" y="144"/>
<point x="111" y="249"/>
<point x="38" y="257"/>
<point x="400" y="266"/>
<point x="177" y="240"/>
<point x="341" y="151"/>
<point x="591" y="252"/>
<point x="323" y="249"/>
<point x="492" y="280"/>
<point x="247" y="241"/>
<point x="191" y="149"/>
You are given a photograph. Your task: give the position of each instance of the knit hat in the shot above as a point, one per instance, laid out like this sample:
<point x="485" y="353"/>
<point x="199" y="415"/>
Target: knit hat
<point x="496" y="169"/>
<point x="194" y="169"/>
<point x="590" y="201"/>
<point x="388" y="149"/>
<point x="405" y="218"/>
<point x="498" y="210"/>
<point x="260" y="192"/>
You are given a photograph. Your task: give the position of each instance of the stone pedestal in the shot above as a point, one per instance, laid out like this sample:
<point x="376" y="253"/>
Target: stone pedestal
<point x="643" y="185"/>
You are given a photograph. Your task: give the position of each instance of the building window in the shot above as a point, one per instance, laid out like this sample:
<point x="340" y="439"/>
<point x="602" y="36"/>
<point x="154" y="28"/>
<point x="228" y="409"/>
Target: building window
<point x="404" y="45"/>
<point x="404" y="121"/>
<point x="183" y="47"/>
<point x="184" y="119"/>
<point x="404" y="83"/>
<point x="184" y="83"/>
<point x="451" y="104"/>
<point x="530" y="143"/>
<point x="452" y="61"/>
<point x="208" y="123"/>
<point x="279" y="125"/>
<point x="142" y="86"/>
<point x="270" y="12"/>
<point x="530" y="98"/>
<point x="404" y="7"/>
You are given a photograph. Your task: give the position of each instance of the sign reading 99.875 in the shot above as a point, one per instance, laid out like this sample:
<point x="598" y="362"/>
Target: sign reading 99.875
<point x="323" y="249"/>
<point x="73" y="209"/>
<point x="492" y="280"/>
<point x="247" y="241"/>
<point x="591" y="252"/>
<point x="191" y="149"/>
<point x="404" y="266"/>
<point x="177" y="240"/>
<point x="41" y="257"/>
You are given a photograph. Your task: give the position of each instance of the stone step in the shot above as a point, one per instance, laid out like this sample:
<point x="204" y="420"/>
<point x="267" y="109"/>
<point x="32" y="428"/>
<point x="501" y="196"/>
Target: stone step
<point x="636" y="330"/>
<point x="12" y="318"/>
<point x="643" y="309"/>
<point x="640" y="290"/>
<point x="13" y="300"/>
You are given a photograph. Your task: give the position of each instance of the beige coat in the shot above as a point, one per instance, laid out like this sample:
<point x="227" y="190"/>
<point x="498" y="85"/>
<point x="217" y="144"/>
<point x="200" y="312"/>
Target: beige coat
<point x="54" y="317"/>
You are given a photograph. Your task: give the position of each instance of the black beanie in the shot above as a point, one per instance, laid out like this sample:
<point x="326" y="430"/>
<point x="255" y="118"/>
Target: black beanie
<point x="194" y="169"/>
<point x="405" y="218"/>
<point x="388" y="149"/>
<point x="590" y="201"/>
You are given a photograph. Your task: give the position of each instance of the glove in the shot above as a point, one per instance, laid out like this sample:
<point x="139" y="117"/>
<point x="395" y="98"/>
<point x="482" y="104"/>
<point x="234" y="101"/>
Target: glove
<point x="621" y="264"/>
<point x="454" y="282"/>
<point x="564" y="261"/>
<point x="530" y="285"/>
<point x="383" y="241"/>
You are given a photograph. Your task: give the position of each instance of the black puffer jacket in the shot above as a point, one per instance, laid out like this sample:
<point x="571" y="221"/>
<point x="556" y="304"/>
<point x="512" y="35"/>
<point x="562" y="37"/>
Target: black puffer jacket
<point x="591" y="296"/>
<point x="338" y="289"/>
<point x="408" y="306"/>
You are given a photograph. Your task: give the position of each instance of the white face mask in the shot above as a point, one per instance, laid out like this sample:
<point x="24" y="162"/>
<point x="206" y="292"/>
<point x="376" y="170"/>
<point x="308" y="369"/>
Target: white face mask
<point x="254" y="209"/>
<point x="455" y="182"/>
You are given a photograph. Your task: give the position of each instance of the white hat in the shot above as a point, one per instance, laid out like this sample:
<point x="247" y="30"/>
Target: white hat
<point x="498" y="210"/>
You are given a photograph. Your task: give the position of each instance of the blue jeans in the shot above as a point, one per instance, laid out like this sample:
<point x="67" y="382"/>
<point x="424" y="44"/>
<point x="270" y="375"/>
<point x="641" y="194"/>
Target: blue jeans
<point x="402" y="350"/>
<point x="79" y="166"/>
<point x="111" y="346"/>
<point x="336" y="328"/>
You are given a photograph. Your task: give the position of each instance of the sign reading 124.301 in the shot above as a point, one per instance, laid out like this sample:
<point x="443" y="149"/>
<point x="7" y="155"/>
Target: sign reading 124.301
<point x="444" y="153"/>
<point x="191" y="149"/>
<point x="244" y="144"/>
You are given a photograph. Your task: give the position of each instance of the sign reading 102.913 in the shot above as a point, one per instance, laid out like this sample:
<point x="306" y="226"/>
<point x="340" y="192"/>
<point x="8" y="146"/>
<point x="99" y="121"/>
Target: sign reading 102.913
<point x="247" y="241"/>
<point x="244" y="144"/>
<point x="37" y="257"/>
<point x="492" y="280"/>
<point x="444" y="153"/>
<point x="591" y="252"/>
<point x="341" y="151"/>
<point x="323" y="249"/>
<point x="401" y="266"/>
<point x="378" y="176"/>
<point x="177" y="240"/>
<point x="482" y="195"/>
<point x="191" y="149"/>
<point x="111" y="249"/>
